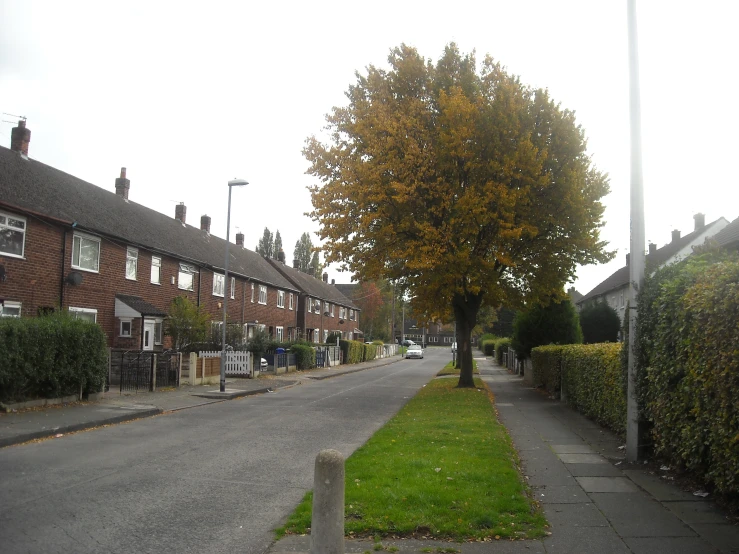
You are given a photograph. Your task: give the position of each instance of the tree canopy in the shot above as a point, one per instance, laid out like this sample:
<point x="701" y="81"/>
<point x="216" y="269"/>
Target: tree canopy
<point x="266" y="244"/>
<point x="599" y="323"/>
<point x="465" y="187"/>
<point x="555" y="323"/>
<point x="302" y="253"/>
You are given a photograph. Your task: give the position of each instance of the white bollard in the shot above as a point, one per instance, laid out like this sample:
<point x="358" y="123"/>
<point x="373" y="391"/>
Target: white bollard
<point x="327" y="524"/>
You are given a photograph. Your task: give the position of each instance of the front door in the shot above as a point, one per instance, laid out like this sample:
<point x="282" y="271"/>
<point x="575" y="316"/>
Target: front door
<point x="148" y="335"/>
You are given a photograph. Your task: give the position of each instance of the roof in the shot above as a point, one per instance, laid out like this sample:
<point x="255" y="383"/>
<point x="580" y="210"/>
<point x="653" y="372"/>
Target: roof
<point x="38" y="188"/>
<point x="313" y="286"/>
<point x="140" y="305"/>
<point x="656" y="259"/>
<point x="729" y="234"/>
<point x="347" y="290"/>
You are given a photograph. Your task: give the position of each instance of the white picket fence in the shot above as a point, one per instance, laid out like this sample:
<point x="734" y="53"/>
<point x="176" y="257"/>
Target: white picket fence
<point x="237" y="363"/>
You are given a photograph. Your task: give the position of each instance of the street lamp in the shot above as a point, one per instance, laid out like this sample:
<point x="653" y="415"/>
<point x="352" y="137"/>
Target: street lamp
<point x="226" y="292"/>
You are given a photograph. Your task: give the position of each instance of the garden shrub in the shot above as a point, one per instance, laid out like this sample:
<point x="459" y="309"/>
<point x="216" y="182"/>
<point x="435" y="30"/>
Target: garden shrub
<point x="50" y="357"/>
<point x="599" y="323"/>
<point x="555" y="323"/>
<point x="305" y="356"/>
<point x="352" y="351"/>
<point x="369" y="352"/>
<point x="546" y="365"/>
<point x="501" y="347"/>
<point x="592" y="382"/>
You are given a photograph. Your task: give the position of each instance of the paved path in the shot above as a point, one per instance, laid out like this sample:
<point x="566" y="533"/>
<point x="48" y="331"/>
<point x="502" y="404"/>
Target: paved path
<point x="593" y="505"/>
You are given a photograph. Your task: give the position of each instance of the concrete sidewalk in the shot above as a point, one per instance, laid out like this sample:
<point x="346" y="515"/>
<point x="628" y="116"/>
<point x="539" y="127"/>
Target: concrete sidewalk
<point x="593" y="500"/>
<point x="37" y="423"/>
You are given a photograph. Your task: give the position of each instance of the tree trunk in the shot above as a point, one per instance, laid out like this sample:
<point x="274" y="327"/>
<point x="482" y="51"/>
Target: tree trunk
<point x="465" y="312"/>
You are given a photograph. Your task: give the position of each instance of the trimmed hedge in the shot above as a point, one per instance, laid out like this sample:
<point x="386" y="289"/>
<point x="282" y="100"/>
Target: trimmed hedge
<point x="369" y="352"/>
<point x="592" y="382"/>
<point x="501" y="347"/>
<point x="353" y="351"/>
<point x="50" y="357"/>
<point x="546" y="365"/>
<point x="305" y="356"/>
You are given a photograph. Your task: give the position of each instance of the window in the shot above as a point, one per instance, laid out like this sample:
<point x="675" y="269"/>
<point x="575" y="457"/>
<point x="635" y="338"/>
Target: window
<point x="132" y="262"/>
<point x="280" y="298"/>
<point x="185" y="277"/>
<point x="156" y="270"/>
<point x="86" y="252"/>
<point x="280" y="333"/>
<point x="232" y="284"/>
<point x="317" y="306"/>
<point x="351" y="315"/>
<point x="341" y="313"/>
<point x="291" y="301"/>
<point x="316" y="335"/>
<point x="331" y="309"/>
<point x="252" y="293"/>
<point x="158" y="332"/>
<point x="125" y="328"/>
<point x="10" y="309"/>
<point x="262" y="294"/>
<point x="310" y="305"/>
<point x="12" y="235"/>
<point x="218" y="281"/>
<point x="325" y="336"/>
<point x="85" y="314"/>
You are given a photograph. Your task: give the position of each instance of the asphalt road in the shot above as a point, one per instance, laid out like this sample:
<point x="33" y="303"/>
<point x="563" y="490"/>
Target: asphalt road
<point x="217" y="478"/>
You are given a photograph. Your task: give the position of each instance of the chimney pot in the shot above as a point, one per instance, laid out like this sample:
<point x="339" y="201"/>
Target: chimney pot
<point x="281" y="256"/>
<point x="19" y="138"/>
<point x="122" y="185"/>
<point x="180" y="212"/>
<point x="700" y="221"/>
<point x="296" y="263"/>
<point x="333" y="281"/>
<point x="205" y="223"/>
<point x="325" y="277"/>
<point x="675" y="235"/>
<point x="652" y="248"/>
<point x="240" y="239"/>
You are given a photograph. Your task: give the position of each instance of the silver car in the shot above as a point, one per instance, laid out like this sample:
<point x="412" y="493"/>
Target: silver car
<point x="414" y="351"/>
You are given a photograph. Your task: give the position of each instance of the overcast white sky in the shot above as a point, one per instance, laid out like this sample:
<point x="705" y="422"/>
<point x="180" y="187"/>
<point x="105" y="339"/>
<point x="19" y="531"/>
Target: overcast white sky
<point x="190" y="95"/>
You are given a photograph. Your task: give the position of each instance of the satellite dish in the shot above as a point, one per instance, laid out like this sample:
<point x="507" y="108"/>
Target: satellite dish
<point x="74" y="278"/>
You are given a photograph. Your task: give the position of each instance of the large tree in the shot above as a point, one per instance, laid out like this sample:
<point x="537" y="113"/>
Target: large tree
<point x="302" y="253"/>
<point x="266" y="245"/>
<point x="464" y="186"/>
<point x="277" y="244"/>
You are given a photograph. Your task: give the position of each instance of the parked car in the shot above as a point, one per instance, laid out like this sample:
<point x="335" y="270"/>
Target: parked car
<point x="414" y="351"/>
<point x="407" y="342"/>
<point x="454" y="347"/>
<point x="263" y="364"/>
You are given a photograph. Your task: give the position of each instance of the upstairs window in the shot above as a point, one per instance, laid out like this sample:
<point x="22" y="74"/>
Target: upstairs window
<point x="132" y="262"/>
<point x="332" y="310"/>
<point x="262" y="294"/>
<point x="351" y="315"/>
<point x="341" y="313"/>
<point x="156" y="270"/>
<point x="291" y="301"/>
<point x="185" y="277"/>
<point x="12" y="235"/>
<point x="309" y="302"/>
<point x="218" y="281"/>
<point x="280" y="298"/>
<point x="85" y="252"/>
<point x="252" y="293"/>
<point x="232" y="284"/>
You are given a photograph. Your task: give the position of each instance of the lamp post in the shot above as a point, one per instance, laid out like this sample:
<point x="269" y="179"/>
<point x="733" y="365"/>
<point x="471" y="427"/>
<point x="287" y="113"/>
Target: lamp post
<point x="226" y="292"/>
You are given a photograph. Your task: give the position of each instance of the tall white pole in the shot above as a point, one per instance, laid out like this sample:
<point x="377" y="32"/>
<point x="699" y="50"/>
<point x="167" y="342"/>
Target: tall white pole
<point x="634" y="427"/>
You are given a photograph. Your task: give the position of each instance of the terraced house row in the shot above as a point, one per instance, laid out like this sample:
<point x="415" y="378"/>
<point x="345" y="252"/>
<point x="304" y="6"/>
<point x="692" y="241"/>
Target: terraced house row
<point x="66" y="244"/>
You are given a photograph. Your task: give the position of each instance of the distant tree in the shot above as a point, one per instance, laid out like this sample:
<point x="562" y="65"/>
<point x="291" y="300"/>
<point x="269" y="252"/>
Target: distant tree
<point x="303" y="252"/>
<point x="315" y="265"/>
<point x="368" y="298"/>
<point x="556" y="323"/>
<point x="277" y="244"/>
<point x="186" y="323"/>
<point x="266" y="245"/>
<point x="599" y="323"/>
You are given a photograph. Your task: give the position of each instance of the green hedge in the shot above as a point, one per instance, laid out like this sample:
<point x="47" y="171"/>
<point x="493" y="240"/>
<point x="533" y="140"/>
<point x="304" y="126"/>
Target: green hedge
<point x="353" y="351"/>
<point x="369" y="352"/>
<point x="689" y="356"/>
<point x="50" y="357"/>
<point x="501" y="347"/>
<point x="305" y="356"/>
<point x="546" y="365"/>
<point x="592" y="382"/>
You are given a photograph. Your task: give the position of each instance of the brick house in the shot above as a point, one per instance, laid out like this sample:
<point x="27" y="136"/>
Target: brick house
<point x="321" y="308"/>
<point x="67" y="244"/>
<point x="615" y="289"/>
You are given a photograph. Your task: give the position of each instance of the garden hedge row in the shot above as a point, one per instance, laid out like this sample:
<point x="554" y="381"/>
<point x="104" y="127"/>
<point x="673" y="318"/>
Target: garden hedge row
<point x="546" y="366"/>
<point x="305" y="356"/>
<point x="501" y="347"/>
<point x="50" y="357"/>
<point x="353" y="351"/>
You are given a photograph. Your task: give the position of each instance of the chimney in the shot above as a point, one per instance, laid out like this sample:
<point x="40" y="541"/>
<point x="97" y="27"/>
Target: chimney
<point x="180" y="212"/>
<point x="281" y="256"/>
<point x="240" y="239"/>
<point x="652" y="248"/>
<point x="333" y="281"/>
<point x="325" y="277"/>
<point x="296" y="263"/>
<point x="700" y="221"/>
<point x="627" y="259"/>
<point x="122" y="185"/>
<point x="676" y="235"/>
<point x="19" y="138"/>
<point x="204" y="223"/>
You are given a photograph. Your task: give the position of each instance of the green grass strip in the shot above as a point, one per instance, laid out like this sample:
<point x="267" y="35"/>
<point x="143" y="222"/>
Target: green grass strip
<point x="449" y="369"/>
<point x="443" y="467"/>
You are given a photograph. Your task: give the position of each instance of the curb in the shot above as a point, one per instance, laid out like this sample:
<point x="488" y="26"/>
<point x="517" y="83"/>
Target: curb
<point x="347" y="372"/>
<point x="25" y="437"/>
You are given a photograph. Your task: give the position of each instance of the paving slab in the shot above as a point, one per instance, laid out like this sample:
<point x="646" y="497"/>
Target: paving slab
<point x="696" y="512"/>
<point x="639" y="515"/>
<point x="563" y="494"/>
<point x="606" y="484"/>
<point x="572" y="449"/>
<point x="669" y="545"/>
<point x="594" y="470"/>
<point x="660" y="489"/>
<point x="722" y="536"/>
<point x="584" y="514"/>
<point x="582" y="459"/>
<point x="585" y="540"/>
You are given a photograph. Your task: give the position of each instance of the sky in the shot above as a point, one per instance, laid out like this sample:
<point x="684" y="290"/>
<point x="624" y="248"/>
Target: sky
<point x="189" y="95"/>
